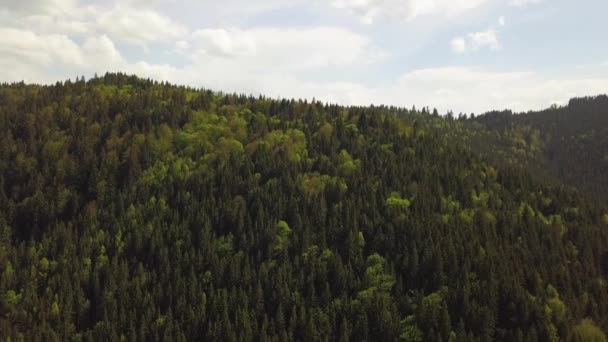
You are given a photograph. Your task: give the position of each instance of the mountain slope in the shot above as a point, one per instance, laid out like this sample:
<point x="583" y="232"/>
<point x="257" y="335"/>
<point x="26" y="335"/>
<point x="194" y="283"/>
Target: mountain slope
<point x="135" y="209"/>
<point x="571" y="142"/>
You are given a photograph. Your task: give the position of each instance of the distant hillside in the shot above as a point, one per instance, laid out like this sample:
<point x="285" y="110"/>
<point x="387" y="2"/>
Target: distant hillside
<point x="142" y="211"/>
<point x="571" y="142"/>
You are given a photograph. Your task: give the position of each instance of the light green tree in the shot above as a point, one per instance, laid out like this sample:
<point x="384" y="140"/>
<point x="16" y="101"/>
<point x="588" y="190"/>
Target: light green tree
<point x="283" y="232"/>
<point x="587" y="331"/>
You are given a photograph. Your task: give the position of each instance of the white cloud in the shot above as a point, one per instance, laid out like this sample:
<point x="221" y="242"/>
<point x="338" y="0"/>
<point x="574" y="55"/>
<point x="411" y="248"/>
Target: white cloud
<point x="368" y="10"/>
<point x="138" y="25"/>
<point x="244" y="8"/>
<point x="523" y="3"/>
<point x="464" y="89"/>
<point x="267" y="49"/>
<point x="182" y="45"/>
<point x="161" y="72"/>
<point x="226" y="43"/>
<point x="56" y="24"/>
<point x="25" y="55"/>
<point x="45" y="17"/>
<point x="37" y="7"/>
<point x="459" y="45"/>
<point x="133" y="21"/>
<point x="271" y="61"/>
<point x="484" y="39"/>
<point x="501" y="21"/>
<point x="476" y="41"/>
<point x="101" y="53"/>
<point x="27" y="47"/>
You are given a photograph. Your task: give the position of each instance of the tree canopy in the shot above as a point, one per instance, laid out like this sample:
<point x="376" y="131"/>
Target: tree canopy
<point x="132" y="209"/>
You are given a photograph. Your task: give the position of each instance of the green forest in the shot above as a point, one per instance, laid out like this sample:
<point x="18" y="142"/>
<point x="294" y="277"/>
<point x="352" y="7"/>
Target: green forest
<point x="137" y="210"/>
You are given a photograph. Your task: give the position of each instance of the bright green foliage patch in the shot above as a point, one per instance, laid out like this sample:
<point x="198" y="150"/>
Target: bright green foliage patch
<point x="315" y="184"/>
<point x="587" y="331"/>
<point x="290" y="143"/>
<point x="377" y="282"/>
<point x="347" y="165"/>
<point x="282" y="236"/>
<point x="394" y="201"/>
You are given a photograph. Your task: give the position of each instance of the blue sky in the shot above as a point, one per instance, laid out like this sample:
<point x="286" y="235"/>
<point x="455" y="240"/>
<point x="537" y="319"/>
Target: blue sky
<point x="461" y="55"/>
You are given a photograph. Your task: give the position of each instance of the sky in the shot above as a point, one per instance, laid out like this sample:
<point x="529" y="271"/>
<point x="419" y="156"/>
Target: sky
<point x="465" y="56"/>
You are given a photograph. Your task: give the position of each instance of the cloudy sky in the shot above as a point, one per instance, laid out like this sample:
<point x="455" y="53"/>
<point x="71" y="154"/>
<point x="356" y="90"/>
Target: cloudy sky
<point x="460" y="55"/>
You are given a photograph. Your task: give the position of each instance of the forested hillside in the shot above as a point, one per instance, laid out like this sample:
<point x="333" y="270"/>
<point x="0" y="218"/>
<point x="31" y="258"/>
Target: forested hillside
<point x="568" y="143"/>
<point x="137" y="210"/>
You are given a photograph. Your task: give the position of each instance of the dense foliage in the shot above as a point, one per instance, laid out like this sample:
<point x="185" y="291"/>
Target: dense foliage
<point x="137" y="210"/>
<point x="568" y="143"/>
